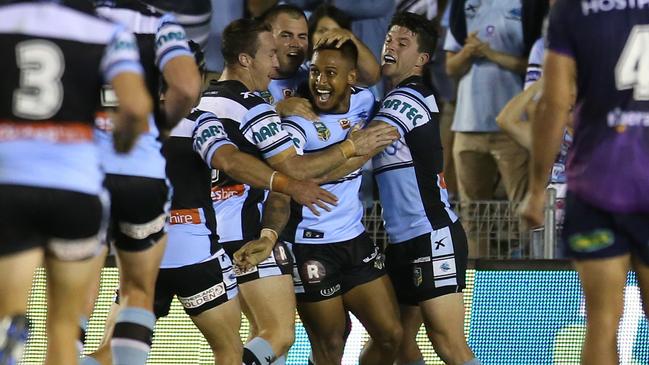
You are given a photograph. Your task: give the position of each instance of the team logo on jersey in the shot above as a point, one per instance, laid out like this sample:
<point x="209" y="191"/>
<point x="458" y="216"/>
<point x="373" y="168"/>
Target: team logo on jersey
<point x="267" y="96"/>
<point x="323" y="132"/>
<point x="345" y="123"/>
<point x="417" y="276"/>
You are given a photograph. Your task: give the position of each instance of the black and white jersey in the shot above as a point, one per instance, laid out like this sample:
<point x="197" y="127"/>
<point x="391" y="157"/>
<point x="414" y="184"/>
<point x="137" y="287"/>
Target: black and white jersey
<point x="409" y="172"/>
<point x="189" y="152"/>
<point x="55" y="58"/>
<point x="160" y="39"/>
<point x="193" y="15"/>
<point x="255" y="128"/>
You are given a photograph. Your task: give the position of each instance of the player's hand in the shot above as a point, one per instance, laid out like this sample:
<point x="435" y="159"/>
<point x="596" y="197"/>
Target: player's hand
<point x="336" y="37"/>
<point x="374" y="137"/>
<point x="310" y="195"/>
<point x="296" y="106"/>
<point x="126" y="134"/>
<point x="253" y="252"/>
<point x="531" y="209"/>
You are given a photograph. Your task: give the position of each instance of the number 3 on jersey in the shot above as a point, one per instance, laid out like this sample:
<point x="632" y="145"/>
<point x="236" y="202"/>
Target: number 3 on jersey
<point x="632" y="69"/>
<point x="40" y="93"/>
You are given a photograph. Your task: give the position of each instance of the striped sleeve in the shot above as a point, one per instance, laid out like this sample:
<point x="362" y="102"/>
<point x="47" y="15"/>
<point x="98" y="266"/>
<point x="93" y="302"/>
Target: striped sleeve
<point x="121" y="55"/>
<point x="262" y="127"/>
<point x="406" y="109"/>
<point x="208" y="136"/>
<point x="297" y="133"/>
<point x="170" y="41"/>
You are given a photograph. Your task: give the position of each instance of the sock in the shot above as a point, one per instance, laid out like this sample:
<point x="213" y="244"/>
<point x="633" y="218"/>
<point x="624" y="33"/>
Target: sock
<point x="475" y="361"/>
<point x="258" y="352"/>
<point x="416" y="362"/>
<point x="14" y="332"/>
<point x="132" y="336"/>
<point x="83" y="325"/>
<point x="280" y="360"/>
<point x="88" y="360"/>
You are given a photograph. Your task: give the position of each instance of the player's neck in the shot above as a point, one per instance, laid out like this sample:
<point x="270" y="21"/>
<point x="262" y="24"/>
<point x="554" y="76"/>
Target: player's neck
<point x="392" y="82"/>
<point x="238" y="74"/>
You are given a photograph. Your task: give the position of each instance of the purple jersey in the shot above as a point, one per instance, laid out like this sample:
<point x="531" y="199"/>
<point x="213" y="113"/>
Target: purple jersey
<point x="608" y="165"/>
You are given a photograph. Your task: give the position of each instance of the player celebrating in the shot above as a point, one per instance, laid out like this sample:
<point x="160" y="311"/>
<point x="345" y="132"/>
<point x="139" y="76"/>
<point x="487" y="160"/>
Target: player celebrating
<point x="255" y="128"/>
<point x="55" y="59"/>
<point x="607" y="205"/>
<point x="339" y="266"/>
<point x="427" y="255"/>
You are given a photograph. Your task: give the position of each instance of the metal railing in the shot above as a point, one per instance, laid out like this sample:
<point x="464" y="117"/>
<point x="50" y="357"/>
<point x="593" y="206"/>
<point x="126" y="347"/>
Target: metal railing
<point x="494" y="229"/>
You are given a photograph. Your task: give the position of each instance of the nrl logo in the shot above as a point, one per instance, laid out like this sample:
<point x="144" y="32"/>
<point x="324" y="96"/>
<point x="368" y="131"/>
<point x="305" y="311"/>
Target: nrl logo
<point x="323" y="132"/>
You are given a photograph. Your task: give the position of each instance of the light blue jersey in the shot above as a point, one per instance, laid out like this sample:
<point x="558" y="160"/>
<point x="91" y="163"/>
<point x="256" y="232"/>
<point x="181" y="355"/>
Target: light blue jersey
<point x="46" y="127"/>
<point x="343" y="223"/>
<point x="409" y="172"/>
<point x="145" y="159"/>
<point x="281" y="89"/>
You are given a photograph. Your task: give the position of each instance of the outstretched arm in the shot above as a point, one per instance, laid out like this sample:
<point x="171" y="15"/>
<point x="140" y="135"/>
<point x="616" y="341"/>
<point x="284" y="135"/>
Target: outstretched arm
<point x="276" y="215"/>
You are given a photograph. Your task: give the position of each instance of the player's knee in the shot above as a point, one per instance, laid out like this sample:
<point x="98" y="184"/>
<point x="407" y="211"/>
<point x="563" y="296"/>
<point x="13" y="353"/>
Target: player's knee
<point x="281" y="338"/>
<point x="331" y="346"/>
<point x="390" y="338"/>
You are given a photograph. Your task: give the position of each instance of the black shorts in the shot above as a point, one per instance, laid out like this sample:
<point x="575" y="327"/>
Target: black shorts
<point x="139" y="211"/>
<point x="429" y="266"/>
<point x="280" y="262"/>
<point x="324" y="271"/>
<point x="67" y="224"/>
<point x="591" y="233"/>
<point x="199" y="287"/>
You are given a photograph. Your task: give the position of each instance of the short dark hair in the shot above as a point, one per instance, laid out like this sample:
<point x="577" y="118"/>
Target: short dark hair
<point x="348" y="50"/>
<point x="291" y="10"/>
<point x="241" y="36"/>
<point x="423" y="28"/>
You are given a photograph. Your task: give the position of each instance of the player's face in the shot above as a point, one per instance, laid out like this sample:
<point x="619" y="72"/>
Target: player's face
<point x="264" y="65"/>
<point x="292" y="42"/>
<point x="324" y="25"/>
<point x="400" y="55"/>
<point x="330" y="80"/>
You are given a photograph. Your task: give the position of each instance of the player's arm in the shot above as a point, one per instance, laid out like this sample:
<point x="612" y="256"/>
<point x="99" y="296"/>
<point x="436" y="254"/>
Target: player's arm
<point x="509" y="119"/>
<point x="210" y="141"/>
<point x="551" y="117"/>
<point x="179" y="70"/>
<point x="276" y="214"/>
<point x="121" y="67"/>
<point x="319" y="163"/>
<point x="353" y="163"/>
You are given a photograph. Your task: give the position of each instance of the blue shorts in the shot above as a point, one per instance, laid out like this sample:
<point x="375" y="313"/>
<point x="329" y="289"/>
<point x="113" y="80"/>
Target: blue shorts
<point x="591" y="233"/>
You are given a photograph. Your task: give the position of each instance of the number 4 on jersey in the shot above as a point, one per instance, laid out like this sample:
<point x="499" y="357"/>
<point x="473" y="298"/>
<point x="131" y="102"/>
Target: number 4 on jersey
<point x="632" y="69"/>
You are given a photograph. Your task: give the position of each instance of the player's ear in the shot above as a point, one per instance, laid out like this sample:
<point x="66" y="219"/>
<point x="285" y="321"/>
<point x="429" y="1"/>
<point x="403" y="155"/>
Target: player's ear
<point x="423" y="59"/>
<point x="245" y="60"/>
<point x="352" y="76"/>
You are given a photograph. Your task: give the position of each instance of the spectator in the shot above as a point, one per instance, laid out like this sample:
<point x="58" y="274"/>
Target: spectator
<point x="226" y="12"/>
<point x="489" y="63"/>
